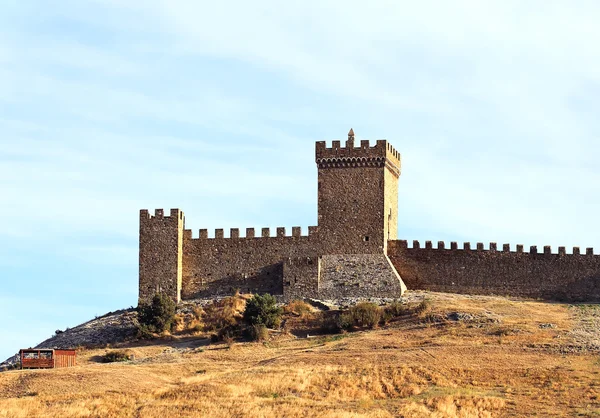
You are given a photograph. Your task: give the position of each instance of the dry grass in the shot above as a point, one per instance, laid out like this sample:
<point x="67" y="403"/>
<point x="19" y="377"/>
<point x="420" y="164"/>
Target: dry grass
<point x="298" y="308"/>
<point x="412" y="368"/>
<point x="226" y="312"/>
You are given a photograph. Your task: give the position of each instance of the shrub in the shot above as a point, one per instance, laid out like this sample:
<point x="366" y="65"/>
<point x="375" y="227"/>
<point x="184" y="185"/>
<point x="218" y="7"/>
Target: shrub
<point x="197" y="311"/>
<point x="144" y="333"/>
<point x="258" y="332"/>
<point x="229" y="332"/>
<point x="396" y="309"/>
<point x="393" y="310"/>
<point x="386" y="316"/>
<point x="365" y="314"/>
<point x="115" y="356"/>
<point x="263" y="310"/>
<point x="423" y="308"/>
<point x="345" y="321"/>
<point x="157" y="316"/>
<point x="224" y="313"/>
<point x="325" y="322"/>
<point x="298" y="307"/>
<point x="179" y="323"/>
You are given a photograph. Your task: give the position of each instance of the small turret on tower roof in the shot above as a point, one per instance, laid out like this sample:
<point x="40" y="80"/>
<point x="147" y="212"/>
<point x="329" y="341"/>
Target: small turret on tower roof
<point x="350" y="141"/>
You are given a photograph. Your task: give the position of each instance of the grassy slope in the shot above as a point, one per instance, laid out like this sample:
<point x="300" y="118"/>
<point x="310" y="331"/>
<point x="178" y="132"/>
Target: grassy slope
<point x="475" y="368"/>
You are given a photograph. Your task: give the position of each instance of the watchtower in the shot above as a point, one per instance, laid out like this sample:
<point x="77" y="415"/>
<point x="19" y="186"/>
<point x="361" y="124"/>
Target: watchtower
<point x="358" y="196"/>
<point x="161" y="250"/>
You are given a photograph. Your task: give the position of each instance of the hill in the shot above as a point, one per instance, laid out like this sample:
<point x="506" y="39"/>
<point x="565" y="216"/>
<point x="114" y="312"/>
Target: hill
<point x="462" y="356"/>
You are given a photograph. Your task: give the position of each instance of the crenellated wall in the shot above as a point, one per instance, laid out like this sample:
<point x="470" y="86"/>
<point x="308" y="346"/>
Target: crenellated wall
<point x="493" y="271"/>
<point x="218" y="266"/>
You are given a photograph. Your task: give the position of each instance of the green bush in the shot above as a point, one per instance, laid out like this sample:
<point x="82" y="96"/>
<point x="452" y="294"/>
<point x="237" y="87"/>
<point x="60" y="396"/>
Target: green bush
<point x="144" y="333"/>
<point x="345" y="321"/>
<point x="115" y="356"/>
<point x="365" y="314"/>
<point x="263" y="310"/>
<point x="157" y="316"/>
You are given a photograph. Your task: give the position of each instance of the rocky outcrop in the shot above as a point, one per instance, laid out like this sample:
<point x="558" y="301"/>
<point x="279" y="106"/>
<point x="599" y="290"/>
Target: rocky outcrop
<point x="111" y="328"/>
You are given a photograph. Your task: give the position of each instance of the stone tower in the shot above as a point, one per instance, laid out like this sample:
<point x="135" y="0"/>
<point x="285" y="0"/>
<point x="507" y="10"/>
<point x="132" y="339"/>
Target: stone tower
<point x="161" y="249"/>
<point x="358" y="196"/>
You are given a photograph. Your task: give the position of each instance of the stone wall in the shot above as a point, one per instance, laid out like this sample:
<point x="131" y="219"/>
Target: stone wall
<point x="219" y="266"/>
<point x="559" y="276"/>
<point x="358" y="275"/>
<point x="301" y="277"/>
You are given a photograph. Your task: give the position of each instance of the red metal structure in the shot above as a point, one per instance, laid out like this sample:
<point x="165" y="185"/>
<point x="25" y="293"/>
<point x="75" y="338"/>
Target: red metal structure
<point x="42" y="358"/>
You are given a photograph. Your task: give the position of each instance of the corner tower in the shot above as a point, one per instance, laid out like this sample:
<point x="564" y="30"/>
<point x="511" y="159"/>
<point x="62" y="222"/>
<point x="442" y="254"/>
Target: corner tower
<point x="358" y="196"/>
<point x="161" y="254"/>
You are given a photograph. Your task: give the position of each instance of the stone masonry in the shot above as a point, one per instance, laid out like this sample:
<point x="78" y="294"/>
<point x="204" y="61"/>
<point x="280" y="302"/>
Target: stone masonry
<point x="499" y="271"/>
<point x="344" y="256"/>
<point x="353" y="252"/>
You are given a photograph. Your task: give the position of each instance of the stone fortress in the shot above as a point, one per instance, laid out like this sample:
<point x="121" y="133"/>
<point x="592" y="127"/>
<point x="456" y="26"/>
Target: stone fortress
<point x="353" y="252"/>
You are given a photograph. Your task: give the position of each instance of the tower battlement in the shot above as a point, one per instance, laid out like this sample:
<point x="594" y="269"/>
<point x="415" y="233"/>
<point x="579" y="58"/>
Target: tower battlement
<point x="234" y="233"/>
<point x="380" y="155"/>
<point x="159" y="215"/>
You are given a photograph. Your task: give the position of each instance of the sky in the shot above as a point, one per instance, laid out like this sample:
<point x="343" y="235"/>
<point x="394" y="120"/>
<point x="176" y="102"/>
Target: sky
<point x="110" y="106"/>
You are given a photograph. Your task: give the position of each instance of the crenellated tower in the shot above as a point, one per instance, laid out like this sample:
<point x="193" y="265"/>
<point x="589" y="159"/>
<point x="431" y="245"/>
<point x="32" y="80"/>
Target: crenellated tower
<point x="161" y="250"/>
<point x="358" y="196"/>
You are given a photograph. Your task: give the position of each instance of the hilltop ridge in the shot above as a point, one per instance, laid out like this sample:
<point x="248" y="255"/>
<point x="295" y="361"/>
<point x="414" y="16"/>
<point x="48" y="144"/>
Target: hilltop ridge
<point x="465" y="356"/>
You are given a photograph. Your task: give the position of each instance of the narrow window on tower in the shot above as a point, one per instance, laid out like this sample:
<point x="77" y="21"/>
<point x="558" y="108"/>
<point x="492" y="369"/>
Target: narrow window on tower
<point x="366" y="238"/>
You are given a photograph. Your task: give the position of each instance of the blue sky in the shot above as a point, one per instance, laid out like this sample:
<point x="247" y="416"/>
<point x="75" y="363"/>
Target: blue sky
<point x="107" y="107"/>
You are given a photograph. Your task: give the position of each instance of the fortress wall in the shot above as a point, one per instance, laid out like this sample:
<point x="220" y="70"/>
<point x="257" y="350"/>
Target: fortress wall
<point x="301" y="277"/>
<point x="358" y="275"/>
<point x="546" y="275"/>
<point x="218" y="266"/>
